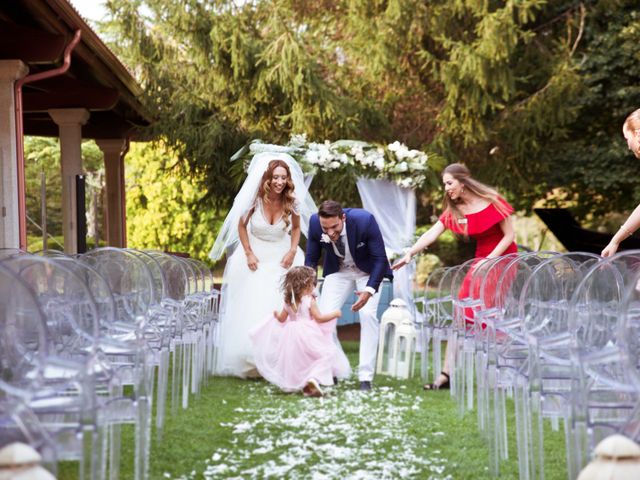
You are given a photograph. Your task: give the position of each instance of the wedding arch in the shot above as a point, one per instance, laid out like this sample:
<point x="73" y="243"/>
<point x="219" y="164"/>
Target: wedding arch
<point x="386" y="177"/>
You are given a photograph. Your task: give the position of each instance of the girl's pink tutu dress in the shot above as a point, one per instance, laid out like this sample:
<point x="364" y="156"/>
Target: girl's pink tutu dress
<point x="291" y="353"/>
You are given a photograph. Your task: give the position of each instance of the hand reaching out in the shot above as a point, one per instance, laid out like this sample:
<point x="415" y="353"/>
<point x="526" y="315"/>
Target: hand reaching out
<point x="363" y="298"/>
<point x="610" y="249"/>
<point x="402" y="262"/>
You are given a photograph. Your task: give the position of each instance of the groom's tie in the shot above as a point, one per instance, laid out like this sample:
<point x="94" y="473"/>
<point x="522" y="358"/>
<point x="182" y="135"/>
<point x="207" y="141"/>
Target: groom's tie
<point x="340" y="248"/>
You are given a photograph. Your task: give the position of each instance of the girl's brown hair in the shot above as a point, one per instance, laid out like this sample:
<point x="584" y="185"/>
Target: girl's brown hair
<point x="295" y="282"/>
<point x="461" y="173"/>
<point x="288" y="197"/>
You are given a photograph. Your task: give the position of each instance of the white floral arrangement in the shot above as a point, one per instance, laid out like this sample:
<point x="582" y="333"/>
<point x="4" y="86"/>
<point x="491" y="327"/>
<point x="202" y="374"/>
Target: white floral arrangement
<point x="395" y="162"/>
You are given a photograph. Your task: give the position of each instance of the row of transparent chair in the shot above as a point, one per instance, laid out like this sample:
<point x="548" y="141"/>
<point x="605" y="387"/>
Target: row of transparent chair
<point x="531" y="333"/>
<point x="108" y="317"/>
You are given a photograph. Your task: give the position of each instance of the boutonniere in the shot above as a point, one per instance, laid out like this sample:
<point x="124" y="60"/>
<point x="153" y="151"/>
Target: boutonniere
<point x="324" y="238"/>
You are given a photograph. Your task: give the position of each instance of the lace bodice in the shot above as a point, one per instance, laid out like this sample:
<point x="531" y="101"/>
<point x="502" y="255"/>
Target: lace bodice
<point x="262" y="229"/>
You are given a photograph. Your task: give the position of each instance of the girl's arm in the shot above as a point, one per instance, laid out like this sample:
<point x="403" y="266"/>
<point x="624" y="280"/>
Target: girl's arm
<point x="287" y="260"/>
<point x="423" y="242"/>
<point x="626" y="230"/>
<point x="281" y="315"/>
<point x="319" y="317"/>
<point x="252" y="260"/>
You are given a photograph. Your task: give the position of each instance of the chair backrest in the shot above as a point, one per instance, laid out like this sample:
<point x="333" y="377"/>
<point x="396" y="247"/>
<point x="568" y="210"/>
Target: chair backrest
<point x="512" y="279"/>
<point x="157" y="274"/>
<point x="486" y="280"/>
<point x="546" y="294"/>
<point x="23" y="336"/>
<point x="175" y="273"/>
<point x="100" y="291"/>
<point x="64" y="298"/>
<point x="129" y="278"/>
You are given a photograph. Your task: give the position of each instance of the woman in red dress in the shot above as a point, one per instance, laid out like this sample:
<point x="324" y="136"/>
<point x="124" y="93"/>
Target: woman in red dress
<point x="475" y="210"/>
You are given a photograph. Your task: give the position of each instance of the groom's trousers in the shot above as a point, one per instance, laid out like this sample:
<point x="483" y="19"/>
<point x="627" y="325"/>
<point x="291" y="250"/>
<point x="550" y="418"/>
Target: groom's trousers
<point x="336" y="289"/>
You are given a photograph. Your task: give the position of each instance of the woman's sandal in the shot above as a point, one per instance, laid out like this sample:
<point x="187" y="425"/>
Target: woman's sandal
<point x="443" y="386"/>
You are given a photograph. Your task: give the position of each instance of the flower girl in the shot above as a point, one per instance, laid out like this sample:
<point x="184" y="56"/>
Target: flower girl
<point x="290" y="349"/>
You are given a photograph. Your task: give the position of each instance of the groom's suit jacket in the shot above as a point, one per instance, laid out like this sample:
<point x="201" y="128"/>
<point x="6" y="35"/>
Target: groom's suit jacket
<point x="365" y="244"/>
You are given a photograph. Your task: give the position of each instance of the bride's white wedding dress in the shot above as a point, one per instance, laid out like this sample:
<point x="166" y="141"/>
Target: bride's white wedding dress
<point x="248" y="297"/>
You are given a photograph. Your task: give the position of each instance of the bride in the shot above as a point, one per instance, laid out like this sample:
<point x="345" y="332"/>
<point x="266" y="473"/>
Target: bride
<point x="261" y="234"/>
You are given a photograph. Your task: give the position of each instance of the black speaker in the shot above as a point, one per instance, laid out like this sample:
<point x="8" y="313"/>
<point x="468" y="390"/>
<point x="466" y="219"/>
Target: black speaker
<point x="81" y="214"/>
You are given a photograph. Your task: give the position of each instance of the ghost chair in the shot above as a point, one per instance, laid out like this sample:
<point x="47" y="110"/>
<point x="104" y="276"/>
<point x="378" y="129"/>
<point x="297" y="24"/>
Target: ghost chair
<point x="547" y="373"/>
<point x="177" y="289"/>
<point x="465" y="294"/>
<point x="134" y="292"/>
<point x="504" y="347"/>
<point x="60" y="391"/>
<point x="484" y="281"/>
<point x="605" y="333"/>
<point x="426" y="312"/>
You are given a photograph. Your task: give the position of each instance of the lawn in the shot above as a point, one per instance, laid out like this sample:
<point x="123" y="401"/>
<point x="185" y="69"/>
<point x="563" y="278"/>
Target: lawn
<point x="249" y="429"/>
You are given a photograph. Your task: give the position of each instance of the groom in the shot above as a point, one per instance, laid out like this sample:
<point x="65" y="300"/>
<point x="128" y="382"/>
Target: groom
<point x="354" y="258"/>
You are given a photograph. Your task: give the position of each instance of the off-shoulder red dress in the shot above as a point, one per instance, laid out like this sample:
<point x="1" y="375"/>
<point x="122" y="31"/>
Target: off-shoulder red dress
<point x="484" y="228"/>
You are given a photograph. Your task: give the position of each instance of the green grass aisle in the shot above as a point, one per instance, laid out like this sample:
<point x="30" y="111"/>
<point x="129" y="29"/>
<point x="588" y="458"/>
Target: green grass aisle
<point x="249" y="429"/>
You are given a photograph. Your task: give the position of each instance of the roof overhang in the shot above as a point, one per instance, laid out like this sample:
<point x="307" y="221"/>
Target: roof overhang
<point x="36" y="32"/>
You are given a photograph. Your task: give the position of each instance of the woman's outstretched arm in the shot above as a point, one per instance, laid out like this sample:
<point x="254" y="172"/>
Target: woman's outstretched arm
<point x="423" y="242"/>
<point x="626" y="230"/>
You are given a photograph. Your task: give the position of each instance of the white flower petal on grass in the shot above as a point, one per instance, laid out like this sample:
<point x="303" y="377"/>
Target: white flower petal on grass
<point x="356" y="436"/>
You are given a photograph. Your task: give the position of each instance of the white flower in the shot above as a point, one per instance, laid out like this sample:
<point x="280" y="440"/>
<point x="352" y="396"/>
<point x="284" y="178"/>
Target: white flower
<point x="402" y="152"/>
<point x="324" y="238"/>
<point x="394" y="146"/>
<point x="401" y="167"/>
<point x="406" y="182"/>
<point x="298" y="140"/>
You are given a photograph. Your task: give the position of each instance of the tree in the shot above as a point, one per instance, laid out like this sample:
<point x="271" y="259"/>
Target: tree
<point x="163" y="210"/>
<point x="459" y="78"/>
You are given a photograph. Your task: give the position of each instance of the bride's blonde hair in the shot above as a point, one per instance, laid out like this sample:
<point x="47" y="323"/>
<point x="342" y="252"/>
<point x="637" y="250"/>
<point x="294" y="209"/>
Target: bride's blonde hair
<point x="295" y="282"/>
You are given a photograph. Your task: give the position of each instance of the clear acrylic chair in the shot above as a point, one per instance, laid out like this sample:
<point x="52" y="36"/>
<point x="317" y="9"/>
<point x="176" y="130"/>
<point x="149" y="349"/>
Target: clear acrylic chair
<point x="504" y="348"/>
<point x="466" y="302"/>
<point x="547" y="373"/>
<point x="40" y="364"/>
<point x="133" y="288"/>
<point x="605" y="333"/>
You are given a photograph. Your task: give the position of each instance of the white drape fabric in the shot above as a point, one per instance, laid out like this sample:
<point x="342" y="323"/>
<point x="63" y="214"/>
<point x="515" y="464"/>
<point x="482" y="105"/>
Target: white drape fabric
<point x="395" y="210"/>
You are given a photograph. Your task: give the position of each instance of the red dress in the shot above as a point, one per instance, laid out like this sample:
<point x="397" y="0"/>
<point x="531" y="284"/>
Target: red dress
<point x="484" y="228"/>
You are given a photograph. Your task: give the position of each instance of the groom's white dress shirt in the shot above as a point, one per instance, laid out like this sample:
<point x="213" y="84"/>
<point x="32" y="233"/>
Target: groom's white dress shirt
<point x="337" y="288"/>
<point x="348" y="264"/>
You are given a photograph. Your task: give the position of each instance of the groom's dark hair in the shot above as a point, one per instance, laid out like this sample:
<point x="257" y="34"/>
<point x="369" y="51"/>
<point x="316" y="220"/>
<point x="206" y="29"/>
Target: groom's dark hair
<point x="330" y="208"/>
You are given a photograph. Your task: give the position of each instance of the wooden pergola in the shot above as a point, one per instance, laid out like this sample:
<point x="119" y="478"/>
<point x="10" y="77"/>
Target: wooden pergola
<point x="58" y="79"/>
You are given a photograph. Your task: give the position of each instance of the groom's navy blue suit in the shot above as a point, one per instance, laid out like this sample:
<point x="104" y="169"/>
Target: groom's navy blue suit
<point x="365" y="244"/>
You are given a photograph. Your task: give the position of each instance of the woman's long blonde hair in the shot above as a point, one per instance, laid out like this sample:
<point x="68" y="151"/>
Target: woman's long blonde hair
<point x="461" y="173"/>
<point x="288" y="196"/>
<point x="632" y="122"/>
<point x="295" y="282"/>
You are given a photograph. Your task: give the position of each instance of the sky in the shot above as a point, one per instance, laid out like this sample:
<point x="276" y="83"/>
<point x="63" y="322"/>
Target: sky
<point x="90" y="9"/>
